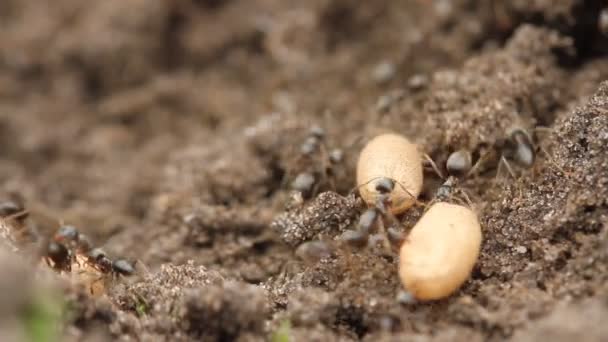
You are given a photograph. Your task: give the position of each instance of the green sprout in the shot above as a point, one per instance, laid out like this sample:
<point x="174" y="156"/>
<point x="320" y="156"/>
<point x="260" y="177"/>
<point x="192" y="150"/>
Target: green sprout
<point x="42" y="318"/>
<point x="141" y="305"/>
<point x="282" y="334"/>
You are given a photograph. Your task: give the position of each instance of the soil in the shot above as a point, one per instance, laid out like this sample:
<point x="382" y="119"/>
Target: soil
<point x="170" y="133"/>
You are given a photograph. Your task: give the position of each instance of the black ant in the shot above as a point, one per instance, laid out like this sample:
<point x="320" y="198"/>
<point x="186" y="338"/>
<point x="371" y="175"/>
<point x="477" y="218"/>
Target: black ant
<point x="59" y="255"/>
<point x="518" y="148"/>
<point x="98" y="259"/>
<point x="378" y="217"/>
<point x="308" y="182"/>
<point x="70" y="236"/>
<point x="458" y="166"/>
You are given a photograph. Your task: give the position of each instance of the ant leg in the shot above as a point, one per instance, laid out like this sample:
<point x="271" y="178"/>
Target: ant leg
<point x="386" y="245"/>
<point x="406" y="298"/>
<point x="504" y="161"/>
<point x="416" y="201"/>
<point x="543" y="129"/>
<point x="395" y="237"/>
<point x="466" y="197"/>
<point x="355" y="238"/>
<point x="429" y="160"/>
<point x="552" y="161"/>
<point x="428" y="205"/>
<point x="18" y="215"/>
<point x="93" y="283"/>
<point x="326" y="166"/>
<point x="548" y="130"/>
<point x="478" y="163"/>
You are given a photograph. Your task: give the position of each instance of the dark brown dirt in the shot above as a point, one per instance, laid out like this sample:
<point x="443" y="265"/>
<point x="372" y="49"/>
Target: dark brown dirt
<point x="170" y="132"/>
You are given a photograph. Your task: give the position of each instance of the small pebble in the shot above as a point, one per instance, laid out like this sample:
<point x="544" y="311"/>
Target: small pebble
<point x="313" y="251"/>
<point x="521" y="249"/>
<point x="405" y="298"/>
<point x="336" y="155"/>
<point x="317" y="132"/>
<point x="303" y="182"/>
<point x="417" y="82"/>
<point x="309" y="146"/>
<point x="384" y="72"/>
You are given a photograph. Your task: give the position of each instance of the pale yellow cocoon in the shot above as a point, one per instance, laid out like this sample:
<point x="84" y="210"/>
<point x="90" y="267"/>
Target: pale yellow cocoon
<point x="440" y="252"/>
<point x="390" y="156"/>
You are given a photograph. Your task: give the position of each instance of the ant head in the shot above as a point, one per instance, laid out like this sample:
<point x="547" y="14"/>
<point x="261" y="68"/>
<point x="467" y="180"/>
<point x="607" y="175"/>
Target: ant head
<point x="57" y="252"/>
<point x="459" y="163"/>
<point x="523" y="153"/>
<point x="66" y="233"/>
<point x="9" y="208"/>
<point x="385" y="185"/>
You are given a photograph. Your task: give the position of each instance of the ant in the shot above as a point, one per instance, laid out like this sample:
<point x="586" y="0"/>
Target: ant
<point x="375" y="219"/>
<point x="518" y="148"/>
<point x="308" y="182"/>
<point x="77" y="241"/>
<point x="15" y="212"/>
<point x="458" y="166"/>
<point x="98" y="259"/>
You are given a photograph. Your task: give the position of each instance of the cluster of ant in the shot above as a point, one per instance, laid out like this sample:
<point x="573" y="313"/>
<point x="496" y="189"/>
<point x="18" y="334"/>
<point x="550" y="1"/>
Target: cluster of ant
<point x="69" y="247"/>
<point x="438" y="254"/>
<point x="68" y="244"/>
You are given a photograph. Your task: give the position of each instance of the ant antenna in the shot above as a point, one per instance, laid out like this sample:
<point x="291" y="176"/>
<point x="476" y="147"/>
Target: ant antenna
<point x="429" y="160"/>
<point x="380" y="190"/>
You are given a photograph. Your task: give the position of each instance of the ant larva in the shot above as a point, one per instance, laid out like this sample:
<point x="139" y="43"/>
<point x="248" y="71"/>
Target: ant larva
<point x="440" y="251"/>
<point x="443" y="246"/>
<point x="386" y="159"/>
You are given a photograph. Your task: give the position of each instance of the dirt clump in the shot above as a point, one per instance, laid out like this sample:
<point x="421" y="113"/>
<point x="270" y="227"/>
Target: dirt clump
<point x="328" y="214"/>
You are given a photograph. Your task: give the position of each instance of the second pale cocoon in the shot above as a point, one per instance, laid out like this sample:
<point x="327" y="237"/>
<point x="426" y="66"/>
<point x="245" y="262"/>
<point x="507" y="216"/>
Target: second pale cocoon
<point x="439" y="253"/>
